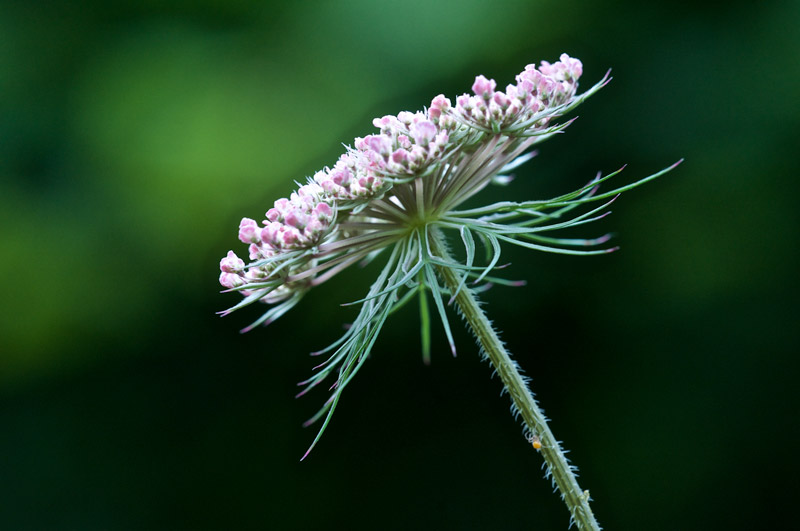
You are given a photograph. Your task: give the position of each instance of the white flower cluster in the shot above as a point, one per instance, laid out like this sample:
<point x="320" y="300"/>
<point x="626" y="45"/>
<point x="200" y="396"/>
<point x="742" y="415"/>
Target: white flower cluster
<point x="407" y="146"/>
<point x="538" y="90"/>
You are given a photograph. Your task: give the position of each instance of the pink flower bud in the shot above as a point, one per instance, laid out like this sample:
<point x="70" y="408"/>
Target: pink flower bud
<point x="270" y="234"/>
<point x="282" y="206"/>
<point x="248" y="231"/>
<point x="230" y="280"/>
<point x="400" y="156"/>
<point x="495" y="111"/>
<point x="483" y="87"/>
<point x="574" y="66"/>
<point x="439" y="143"/>
<point x="296" y="219"/>
<point x="378" y="143"/>
<point x="439" y="105"/>
<point x="290" y="237"/>
<point x="341" y="176"/>
<point x="387" y="122"/>
<point x="323" y="209"/>
<point x="524" y="86"/>
<point x="231" y="263"/>
<point x="423" y="132"/>
<point x="447" y="122"/>
<point x="501" y="99"/>
<point x="329" y="187"/>
<point x="417" y="157"/>
<point x="405" y="117"/>
<point x="273" y="214"/>
<point x="314" y="229"/>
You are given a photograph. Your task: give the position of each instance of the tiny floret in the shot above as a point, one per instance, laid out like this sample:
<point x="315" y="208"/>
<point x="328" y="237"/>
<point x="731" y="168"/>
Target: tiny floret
<point x="484" y="88"/>
<point x="231" y="263"/>
<point x="248" y="231"/>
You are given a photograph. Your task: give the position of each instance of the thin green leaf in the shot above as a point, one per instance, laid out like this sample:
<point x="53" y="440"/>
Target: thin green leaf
<point x="625" y="188"/>
<point x="496" y="256"/>
<point x="250" y="299"/>
<point x="276" y="312"/>
<point x="557" y="250"/>
<point x="424" y="321"/>
<point x="405" y="299"/>
<point x="437" y="299"/>
<point x="568" y="241"/>
<point x="469" y="246"/>
<point x="398" y="283"/>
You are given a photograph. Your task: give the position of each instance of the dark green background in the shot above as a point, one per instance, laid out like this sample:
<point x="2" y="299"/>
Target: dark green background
<point x="132" y="140"/>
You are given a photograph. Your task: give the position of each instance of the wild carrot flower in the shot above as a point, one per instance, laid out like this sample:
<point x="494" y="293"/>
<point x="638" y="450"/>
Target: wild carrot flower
<point x="394" y="194"/>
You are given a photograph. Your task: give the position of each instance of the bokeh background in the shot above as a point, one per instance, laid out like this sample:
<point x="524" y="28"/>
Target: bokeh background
<point x="135" y="134"/>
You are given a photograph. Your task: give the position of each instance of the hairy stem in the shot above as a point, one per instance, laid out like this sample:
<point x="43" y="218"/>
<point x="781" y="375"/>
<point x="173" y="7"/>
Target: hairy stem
<point x="558" y="466"/>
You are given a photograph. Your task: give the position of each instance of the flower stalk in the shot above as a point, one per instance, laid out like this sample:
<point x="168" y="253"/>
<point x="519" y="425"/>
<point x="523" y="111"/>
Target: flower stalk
<point x="558" y="467"/>
<point x="392" y="196"/>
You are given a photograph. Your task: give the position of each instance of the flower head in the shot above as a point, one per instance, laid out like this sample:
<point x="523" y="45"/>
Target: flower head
<point x="390" y="192"/>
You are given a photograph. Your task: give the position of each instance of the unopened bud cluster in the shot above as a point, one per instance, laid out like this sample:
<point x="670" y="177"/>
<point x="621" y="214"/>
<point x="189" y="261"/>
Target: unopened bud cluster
<point x="537" y="90"/>
<point x="407" y="146"/>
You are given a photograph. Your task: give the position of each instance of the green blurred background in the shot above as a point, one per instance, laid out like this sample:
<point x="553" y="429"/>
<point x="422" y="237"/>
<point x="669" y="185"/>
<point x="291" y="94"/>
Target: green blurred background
<point x="135" y="135"/>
